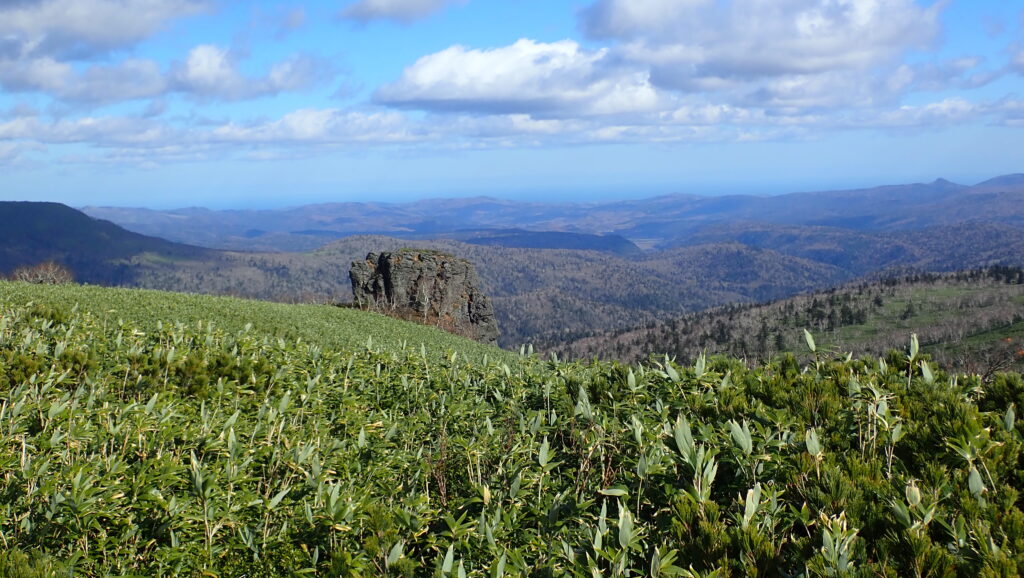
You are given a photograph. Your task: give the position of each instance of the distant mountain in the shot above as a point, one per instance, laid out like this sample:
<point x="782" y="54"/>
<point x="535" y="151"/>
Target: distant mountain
<point x="660" y="222"/>
<point x="554" y="287"/>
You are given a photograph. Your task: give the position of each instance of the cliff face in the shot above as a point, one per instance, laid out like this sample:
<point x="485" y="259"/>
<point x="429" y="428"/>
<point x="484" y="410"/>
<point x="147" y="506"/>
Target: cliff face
<point x="428" y="287"/>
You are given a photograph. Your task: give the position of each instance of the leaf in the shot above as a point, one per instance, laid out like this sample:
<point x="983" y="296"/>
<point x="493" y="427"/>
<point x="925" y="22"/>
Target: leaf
<point x="499" y="570"/>
<point x="396" y="552"/>
<point x="672" y="373"/>
<point x="926" y="373"/>
<point x="812" y="442"/>
<point x="544" y="456"/>
<point x="741" y="436"/>
<point x="913" y="494"/>
<point x="974" y="482"/>
<point x="684" y="437"/>
<point x="914" y="346"/>
<point x="753" y="501"/>
<point x="810" y="341"/>
<point x="902" y="514"/>
<point x="449" y="560"/>
<point x="277" y="499"/>
<point x="1010" y="418"/>
<point x="614" y="492"/>
<point x="625" y="527"/>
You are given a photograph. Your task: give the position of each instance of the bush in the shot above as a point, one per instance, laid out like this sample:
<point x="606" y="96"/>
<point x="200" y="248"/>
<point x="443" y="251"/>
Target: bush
<point x="46" y="273"/>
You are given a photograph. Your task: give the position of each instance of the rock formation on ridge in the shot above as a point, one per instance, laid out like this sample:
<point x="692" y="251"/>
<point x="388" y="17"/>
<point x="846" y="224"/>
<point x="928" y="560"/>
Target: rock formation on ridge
<point x="429" y="287"/>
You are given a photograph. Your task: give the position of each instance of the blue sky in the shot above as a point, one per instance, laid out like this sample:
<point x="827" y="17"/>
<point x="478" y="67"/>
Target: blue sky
<point x="170" y="103"/>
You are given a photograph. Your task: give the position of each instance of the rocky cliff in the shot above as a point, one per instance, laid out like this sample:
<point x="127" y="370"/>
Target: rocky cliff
<point x="428" y="287"/>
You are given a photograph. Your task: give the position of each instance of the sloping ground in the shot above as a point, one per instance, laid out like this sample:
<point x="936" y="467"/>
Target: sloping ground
<point x="969" y="320"/>
<point x="185" y="450"/>
<point x="323" y="326"/>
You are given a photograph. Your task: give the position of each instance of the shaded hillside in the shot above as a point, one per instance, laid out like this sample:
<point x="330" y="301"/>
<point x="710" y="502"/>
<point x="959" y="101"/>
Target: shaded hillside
<point x="972" y="320"/>
<point x="96" y="251"/>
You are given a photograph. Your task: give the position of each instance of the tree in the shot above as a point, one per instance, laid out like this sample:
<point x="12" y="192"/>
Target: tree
<point x="45" y="273"/>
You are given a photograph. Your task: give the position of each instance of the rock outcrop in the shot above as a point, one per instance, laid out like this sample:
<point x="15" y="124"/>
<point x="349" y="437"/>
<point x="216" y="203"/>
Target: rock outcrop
<point x="429" y="287"/>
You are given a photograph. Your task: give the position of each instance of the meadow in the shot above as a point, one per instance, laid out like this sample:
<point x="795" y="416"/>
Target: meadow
<point x="149" y="434"/>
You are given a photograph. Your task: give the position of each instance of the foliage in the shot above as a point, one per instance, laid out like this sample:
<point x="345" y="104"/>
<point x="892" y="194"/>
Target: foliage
<point x="129" y="447"/>
<point x="969" y="320"/>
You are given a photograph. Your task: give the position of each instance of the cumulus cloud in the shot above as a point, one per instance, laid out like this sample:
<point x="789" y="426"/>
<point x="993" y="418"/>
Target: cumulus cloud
<point x="787" y="55"/>
<point x="321" y="126"/>
<point x="84" y="28"/>
<point x="744" y="39"/>
<point x="542" y="79"/>
<point x="212" y="72"/>
<point x="209" y="72"/>
<point x="128" y="80"/>
<point x="398" y="10"/>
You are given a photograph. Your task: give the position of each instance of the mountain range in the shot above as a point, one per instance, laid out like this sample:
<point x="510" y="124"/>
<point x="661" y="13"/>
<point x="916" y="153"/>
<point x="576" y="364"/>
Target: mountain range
<point x="556" y="273"/>
<point x="653" y="224"/>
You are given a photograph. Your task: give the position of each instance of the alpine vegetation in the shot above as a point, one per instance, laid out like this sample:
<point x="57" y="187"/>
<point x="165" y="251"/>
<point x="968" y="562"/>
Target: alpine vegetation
<point x="156" y="446"/>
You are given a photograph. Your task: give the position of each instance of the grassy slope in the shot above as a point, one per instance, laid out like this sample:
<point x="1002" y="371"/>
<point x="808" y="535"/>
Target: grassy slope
<point x="325" y="326"/>
<point x="190" y="452"/>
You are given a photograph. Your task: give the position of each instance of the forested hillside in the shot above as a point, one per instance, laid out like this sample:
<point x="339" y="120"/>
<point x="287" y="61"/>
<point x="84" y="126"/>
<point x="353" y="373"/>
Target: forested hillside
<point x="972" y="320"/>
<point x="153" y="444"/>
<point x="547" y="297"/>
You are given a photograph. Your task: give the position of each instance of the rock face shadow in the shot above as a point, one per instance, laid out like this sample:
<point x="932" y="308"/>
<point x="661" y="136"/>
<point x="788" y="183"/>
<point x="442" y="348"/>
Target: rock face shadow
<point x="429" y="287"/>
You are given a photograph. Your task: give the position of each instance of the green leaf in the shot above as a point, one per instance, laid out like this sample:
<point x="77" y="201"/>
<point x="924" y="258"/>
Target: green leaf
<point x="614" y="492"/>
<point x="1010" y="418"/>
<point x="753" y="501"/>
<point x="913" y="494"/>
<point x="625" y="527"/>
<point x="914" y="346"/>
<point x="277" y="499"/>
<point x="812" y="442"/>
<point x="810" y="341"/>
<point x="926" y="373"/>
<point x="741" y="436"/>
<point x="672" y="373"/>
<point x="683" y="436"/>
<point x="396" y="552"/>
<point x="974" y="482"/>
<point x="449" y="560"/>
<point x="544" y="457"/>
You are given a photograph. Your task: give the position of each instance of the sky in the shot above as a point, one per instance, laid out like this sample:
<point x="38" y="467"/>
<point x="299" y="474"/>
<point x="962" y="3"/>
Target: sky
<point x="222" y="103"/>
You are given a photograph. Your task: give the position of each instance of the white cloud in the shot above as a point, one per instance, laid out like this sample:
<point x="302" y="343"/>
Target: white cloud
<point x="934" y="115"/>
<point x="320" y="126"/>
<point x="128" y="80"/>
<point x="398" y="10"/>
<point x="763" y="38"/>
<point x="82" y="28"/>
<point x="212" y="72"/>
<point x="541" y="79"/>
<point x="209" y="72"/>
<point x="785" y="54"/>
